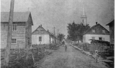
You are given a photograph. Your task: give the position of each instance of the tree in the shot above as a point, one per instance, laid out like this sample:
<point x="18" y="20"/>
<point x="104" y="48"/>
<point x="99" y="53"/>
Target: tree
<point x="76" y="31"/>
<point x="60" y="37"/>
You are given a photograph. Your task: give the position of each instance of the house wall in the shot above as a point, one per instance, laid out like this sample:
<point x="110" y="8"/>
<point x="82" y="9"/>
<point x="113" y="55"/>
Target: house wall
<point x="28" y="32"/>
<point x="52" y="40"/>
<point x="45" y="39"/>
<point x="111" y="34"/>
<point x="18" y="34"/>
<point x="87" y="37"/>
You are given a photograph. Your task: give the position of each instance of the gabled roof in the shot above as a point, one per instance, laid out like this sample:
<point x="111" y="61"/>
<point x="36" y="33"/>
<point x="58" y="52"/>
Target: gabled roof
<point x="18" y="16"/>
<point x="111" y="23"/>
<point x="40" y="30"/>
<point x="51" y="34"/>
<point x="98" y="30"/>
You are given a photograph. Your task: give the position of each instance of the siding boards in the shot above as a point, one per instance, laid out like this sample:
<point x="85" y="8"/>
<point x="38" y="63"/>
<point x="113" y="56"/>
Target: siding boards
<point x="18" y="34"/>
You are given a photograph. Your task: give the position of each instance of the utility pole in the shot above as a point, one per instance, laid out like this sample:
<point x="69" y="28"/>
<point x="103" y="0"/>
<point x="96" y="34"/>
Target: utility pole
<point x="9" y="36"/>
<point x="57" y="32"/>
<point x="55" y="36"/>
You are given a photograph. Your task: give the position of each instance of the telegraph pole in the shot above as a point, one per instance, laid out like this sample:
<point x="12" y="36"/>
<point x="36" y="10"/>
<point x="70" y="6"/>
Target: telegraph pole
<point x="9" y="36"/>
<point x="55" y="36"/>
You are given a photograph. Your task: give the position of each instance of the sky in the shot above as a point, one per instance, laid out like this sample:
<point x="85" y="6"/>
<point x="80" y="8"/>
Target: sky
<point x="58" y="13"/>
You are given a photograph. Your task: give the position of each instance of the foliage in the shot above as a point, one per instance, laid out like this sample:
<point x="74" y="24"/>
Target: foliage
<point x="76" y="31"/>
<point x="60" y="37"/>
<point x="53" y="46"/>
<point x="84" y="46"/>
<point x="20" y="60"/>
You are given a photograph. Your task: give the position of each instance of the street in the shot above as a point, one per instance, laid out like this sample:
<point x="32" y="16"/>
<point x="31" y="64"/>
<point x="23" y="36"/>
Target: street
<point x="72" y="58"/>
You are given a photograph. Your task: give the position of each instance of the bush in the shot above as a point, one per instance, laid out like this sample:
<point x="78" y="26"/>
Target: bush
<point x="20" y="60"/>
<point x="53" y="46"/>
<point x="84" y="46"/>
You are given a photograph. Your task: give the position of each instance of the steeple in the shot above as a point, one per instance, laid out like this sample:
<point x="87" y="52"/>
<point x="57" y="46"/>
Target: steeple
<point x="83" y="16"/>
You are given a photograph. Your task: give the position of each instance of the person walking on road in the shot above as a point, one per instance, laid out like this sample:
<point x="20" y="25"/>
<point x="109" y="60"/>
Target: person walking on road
<point x="96" y="55"/>
<point x="65" y="46"/>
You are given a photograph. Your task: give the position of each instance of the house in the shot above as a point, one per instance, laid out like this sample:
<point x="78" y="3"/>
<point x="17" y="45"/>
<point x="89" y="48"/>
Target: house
<point x="41" y="36"/>
<point x="21" y="29"/>
<point x="96" y="32"/>
<point x="111" y="28"/>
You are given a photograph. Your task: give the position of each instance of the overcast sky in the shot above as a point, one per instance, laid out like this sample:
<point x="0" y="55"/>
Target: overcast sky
<point x="58" y="13"/>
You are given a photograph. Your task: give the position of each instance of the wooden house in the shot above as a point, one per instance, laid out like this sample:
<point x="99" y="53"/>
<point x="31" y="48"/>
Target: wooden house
<point x="111" y="28"/>
<point x="96" y="32"/>
<point x="42" y="36"/>
<point x="21" y="29"/>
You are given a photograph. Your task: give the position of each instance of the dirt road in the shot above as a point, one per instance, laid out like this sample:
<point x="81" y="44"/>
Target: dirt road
<point x="72" y="58"/>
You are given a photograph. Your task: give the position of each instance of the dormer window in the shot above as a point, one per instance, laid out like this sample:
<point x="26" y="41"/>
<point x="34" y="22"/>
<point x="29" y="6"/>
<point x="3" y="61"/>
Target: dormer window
<point x="93" y="31"/>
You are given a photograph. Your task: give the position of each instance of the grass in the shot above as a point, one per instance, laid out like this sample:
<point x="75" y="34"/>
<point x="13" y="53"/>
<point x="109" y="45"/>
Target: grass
<point x="18" y="58"/>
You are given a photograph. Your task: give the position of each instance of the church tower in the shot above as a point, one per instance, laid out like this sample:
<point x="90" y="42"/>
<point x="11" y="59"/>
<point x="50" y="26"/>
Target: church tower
<point x="83" y="16"/>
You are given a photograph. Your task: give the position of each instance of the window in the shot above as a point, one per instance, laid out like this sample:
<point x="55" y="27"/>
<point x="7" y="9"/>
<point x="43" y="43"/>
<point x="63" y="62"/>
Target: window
<point x="93" y="38"/>
<point x="40" y="38"/>
<point x="103" y="39"/>
<point x="93" y="31"/>
<point x="100" y="38"/>
<point x="14" y="27"/>
<point x="13" y="40"/>
<point x="103" y="31"/>
<point x="4" y="25"/>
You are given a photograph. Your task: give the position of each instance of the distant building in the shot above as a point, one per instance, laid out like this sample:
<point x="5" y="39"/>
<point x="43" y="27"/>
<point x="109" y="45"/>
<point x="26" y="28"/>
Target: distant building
<point x="111" y="28"/>
<point x="41" y="36"/>
<point x="97" y="32"/>
<point x="21" y="29"/>
<point x="84" y="17"/>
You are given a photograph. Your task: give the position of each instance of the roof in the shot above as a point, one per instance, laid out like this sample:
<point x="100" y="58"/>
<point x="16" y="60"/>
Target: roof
<point x="40" y="30"/>
<point x="51" y="34"/>
<point x="18" y="16"/>
<point x="98" y="30"/>
<point x="111" y="23"/>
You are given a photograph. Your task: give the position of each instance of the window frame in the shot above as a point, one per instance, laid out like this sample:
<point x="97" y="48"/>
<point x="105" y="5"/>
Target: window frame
<point x="93" y="38"/>
<point x="100" y="38"/>
<point x="103" y="31"/>
<point x="14" y="39"/>
<point x="93" y="31"/>
<point x="40" y="38"/>
<point x="14" y="27"/>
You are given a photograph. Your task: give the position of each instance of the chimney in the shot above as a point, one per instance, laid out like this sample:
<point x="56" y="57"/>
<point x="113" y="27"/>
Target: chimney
<point x="96" y="23"/>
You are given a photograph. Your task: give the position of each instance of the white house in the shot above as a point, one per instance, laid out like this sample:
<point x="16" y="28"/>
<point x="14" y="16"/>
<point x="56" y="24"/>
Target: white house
<point x="41" y="36"/>
<point x="96" y="32"/>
